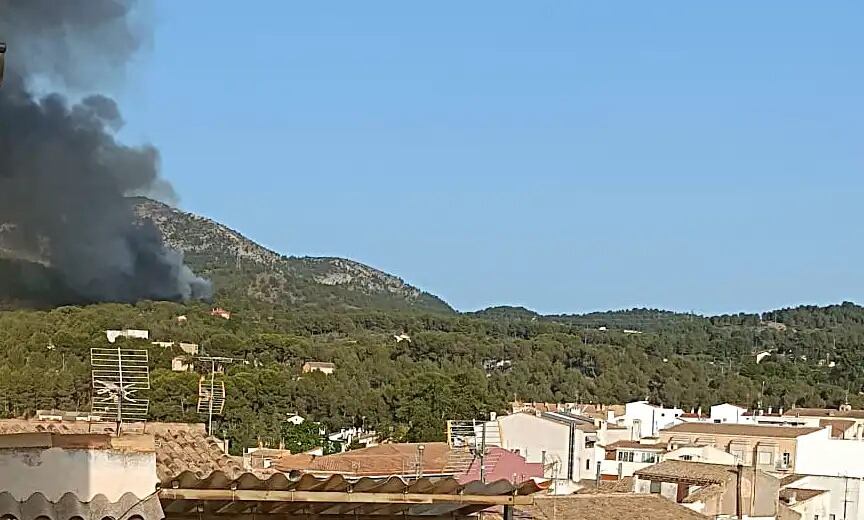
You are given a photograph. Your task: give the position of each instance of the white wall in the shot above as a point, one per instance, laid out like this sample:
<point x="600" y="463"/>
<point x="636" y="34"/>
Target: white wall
<point x="531" y="436"/>
<point x="651" y="418"/>
<point x="842" y="492"/>
<point x="706" y="454"/>
<point x="56" y="471"/>
<point x="726" y="413"/>
<point x="822" y="455"/>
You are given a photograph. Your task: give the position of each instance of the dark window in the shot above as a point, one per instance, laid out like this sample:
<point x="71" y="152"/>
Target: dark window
<point x="655" y="487"/>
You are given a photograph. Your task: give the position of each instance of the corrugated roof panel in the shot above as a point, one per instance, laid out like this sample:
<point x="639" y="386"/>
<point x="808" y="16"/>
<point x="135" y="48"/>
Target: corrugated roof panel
<point x="69" y="507"/>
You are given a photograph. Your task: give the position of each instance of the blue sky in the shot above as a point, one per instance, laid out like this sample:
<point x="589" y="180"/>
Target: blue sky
<point x="565" y="156"/>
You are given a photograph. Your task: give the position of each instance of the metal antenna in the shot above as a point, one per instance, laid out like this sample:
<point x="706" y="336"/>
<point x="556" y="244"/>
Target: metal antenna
<point x="211" y="394"/>
<point x="117" y="376"/>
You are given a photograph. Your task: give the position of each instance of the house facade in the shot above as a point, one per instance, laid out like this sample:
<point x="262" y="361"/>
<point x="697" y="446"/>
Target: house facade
<point x="769" y="448"/>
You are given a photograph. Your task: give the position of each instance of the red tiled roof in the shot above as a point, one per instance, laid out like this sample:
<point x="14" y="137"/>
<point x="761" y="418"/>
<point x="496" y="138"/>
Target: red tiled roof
<point x="621" y="506"/>
<point x="824" y="412"/>
<point x="501" y="464"/>
<point x="385" y="459"/>
<point x="800" y="494"/>
<point x="838" y="426"/>
<point x="636" y="445"/>
<point x="750" y="430"/>
<point x="179" y="446"/>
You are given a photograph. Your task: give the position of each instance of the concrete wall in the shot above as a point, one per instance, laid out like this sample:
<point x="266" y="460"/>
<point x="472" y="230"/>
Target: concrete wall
<point x="54" y="471"/>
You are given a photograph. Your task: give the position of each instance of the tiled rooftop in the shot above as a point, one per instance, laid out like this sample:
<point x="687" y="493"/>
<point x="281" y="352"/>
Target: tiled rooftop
<point x="694" y="472"/>
<point x="824" y="412"/>
<point x="385" y="459"/>
<point x="179" y="446"/>
<point x="749" y="430"/>
<point x="605" y="506"/>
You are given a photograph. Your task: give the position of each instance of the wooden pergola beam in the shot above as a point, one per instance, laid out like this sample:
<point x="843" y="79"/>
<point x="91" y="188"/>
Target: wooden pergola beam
<point x="255" y="495"/>
<point x="300" y="516"/>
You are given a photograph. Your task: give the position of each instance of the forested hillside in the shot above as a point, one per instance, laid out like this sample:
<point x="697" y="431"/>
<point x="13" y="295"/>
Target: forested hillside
<point x="408" y="389"/>
<point x="245" y="271"/>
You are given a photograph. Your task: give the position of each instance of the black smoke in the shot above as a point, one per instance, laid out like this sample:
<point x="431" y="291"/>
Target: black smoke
<point x="64" y="177"/>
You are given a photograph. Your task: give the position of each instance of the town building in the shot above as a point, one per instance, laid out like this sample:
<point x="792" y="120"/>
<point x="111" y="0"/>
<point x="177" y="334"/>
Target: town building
<point x="318" y="366"/>
<point x="825" y="497"/>
<point x="770" y="448"/>
<point x="647" y="419"/>
<point x="713" y="490"/>
<point x="220" y="313"/>
<point x="844" y="418"/>
<point x="76" y="470"/>
<point x="569" y="446"/>
<point x="112" y="335"/>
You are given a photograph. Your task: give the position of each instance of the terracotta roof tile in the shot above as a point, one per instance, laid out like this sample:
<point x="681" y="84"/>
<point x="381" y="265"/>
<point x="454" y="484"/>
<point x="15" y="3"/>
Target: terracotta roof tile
<point x="625" y="485"/>
<point x="838" y="426"/>
<point x="622" y="506"/>
<point x="384" y="459"/>
<point x="636" y="445"/>
<point x="824" y="412"/>
<point x="179" y="446"/>
<point x="693" y="472"/>
<point x="799" y="494"/>
<point x="751" y="430"/>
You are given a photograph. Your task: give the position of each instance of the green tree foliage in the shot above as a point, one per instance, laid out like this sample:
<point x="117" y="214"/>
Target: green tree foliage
<point x="454" y="367"/>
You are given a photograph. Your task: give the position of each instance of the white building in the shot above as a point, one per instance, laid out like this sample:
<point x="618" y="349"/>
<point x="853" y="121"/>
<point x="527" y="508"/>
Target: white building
<point x="295" y="419"/>
<point x="112" y="335"/>
<point x="825" y="498"/>
<point x="648" y="419"/>
<point x="568" y="446"/>
<point x="727" y="413"/>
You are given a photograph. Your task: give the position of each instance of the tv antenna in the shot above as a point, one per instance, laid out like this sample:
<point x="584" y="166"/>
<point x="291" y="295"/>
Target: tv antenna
<point x="211" y="390"/>
<point x="118" y="375"/>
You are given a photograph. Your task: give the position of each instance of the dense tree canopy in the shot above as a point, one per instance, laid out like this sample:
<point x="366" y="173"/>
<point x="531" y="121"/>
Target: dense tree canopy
<point x="447" y="371"/>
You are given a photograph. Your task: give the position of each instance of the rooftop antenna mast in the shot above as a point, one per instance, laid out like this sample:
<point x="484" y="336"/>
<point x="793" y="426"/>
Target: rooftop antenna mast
<point x="118" y="374"/>
<point x="211" y="389"/>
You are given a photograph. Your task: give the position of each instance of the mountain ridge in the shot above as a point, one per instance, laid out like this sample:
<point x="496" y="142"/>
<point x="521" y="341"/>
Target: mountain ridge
<point x="231" y="259"/>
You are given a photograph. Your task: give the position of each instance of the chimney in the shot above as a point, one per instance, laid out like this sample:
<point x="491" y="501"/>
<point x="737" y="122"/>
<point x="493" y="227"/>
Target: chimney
<point x="769" y="410"/>
<point x="493" y="416"/>
<point x="792" y="497"/>
<point x="699" y="411"/>
<point x="610" y="416"/>
<point x="780" y="410"/>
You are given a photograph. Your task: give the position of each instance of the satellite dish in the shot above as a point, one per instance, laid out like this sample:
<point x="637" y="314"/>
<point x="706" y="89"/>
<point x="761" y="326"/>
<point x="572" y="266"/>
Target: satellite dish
<point x="118" y="377"/>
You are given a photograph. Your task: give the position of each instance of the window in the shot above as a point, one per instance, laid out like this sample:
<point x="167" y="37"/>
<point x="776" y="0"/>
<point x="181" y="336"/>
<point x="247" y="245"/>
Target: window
<point x="649" y="457"/>
<point x="815" y="517"/>
<point x="787" y="459"/>
<point x="655" y="488"/>
<point x="588" y="465"/>
<point x="765" y="457"/>
<point x="686" y="457"/>
<point x="625" y="456"/>
<point x="832" y="517"/>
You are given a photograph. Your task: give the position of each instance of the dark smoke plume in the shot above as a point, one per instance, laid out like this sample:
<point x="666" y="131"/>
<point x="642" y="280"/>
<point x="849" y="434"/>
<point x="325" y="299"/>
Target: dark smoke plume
<point x="63" y="175"/>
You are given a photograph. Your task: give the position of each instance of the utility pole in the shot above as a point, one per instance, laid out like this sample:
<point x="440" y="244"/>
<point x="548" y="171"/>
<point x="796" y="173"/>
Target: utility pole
<point x="483" y="454"/>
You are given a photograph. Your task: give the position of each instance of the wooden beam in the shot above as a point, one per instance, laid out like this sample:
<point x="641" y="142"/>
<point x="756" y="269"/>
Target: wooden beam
<point x="301" y="516"/>
<point x="256" y="495"/>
